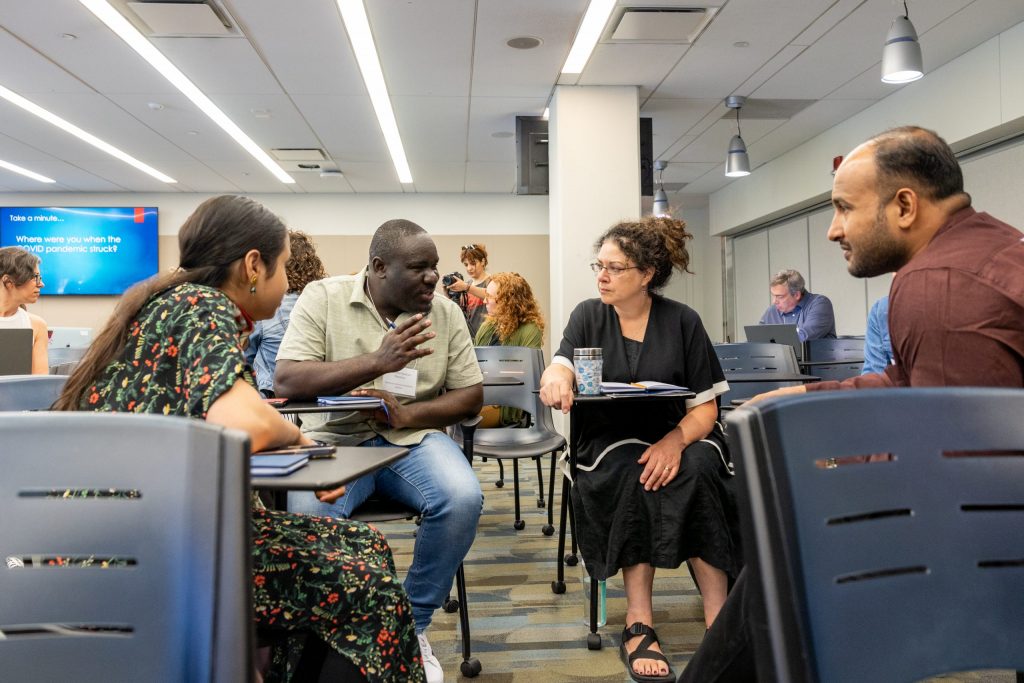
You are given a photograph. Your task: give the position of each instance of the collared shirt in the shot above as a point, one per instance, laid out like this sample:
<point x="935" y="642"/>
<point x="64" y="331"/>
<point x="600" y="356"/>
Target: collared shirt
<point x="877" y="347"/>
<point x="956" y="310"/>
<point x="812" y="316"/>
<point x="335" y="320"/>
<point x="265" y="340"/>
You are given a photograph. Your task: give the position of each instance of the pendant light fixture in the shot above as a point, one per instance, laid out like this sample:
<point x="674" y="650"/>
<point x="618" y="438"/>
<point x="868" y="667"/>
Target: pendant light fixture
<point x="737" y="163"/>
<point x="660" y="207"/>
<point x="901" y="56"/>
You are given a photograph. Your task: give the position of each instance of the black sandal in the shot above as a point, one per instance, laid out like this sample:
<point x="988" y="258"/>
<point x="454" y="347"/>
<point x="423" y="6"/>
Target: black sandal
<point x="643" y="651"/>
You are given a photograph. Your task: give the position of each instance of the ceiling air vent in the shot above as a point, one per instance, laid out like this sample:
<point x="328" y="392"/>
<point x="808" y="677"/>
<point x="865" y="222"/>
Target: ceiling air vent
<point x="659" y="24"/>
<point x="182" y="19"/>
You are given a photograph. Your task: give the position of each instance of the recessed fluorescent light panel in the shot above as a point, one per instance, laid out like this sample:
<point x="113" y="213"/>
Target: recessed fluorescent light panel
<point x="129" y="34"/>
<point x="67" y="126"/>
<point x="589" y="32"/>
<point x="25" y="172"/>
<point x="353" y="14"/>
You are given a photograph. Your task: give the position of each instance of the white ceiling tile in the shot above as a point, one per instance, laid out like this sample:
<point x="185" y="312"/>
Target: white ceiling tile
<point x="686" y="172"/>
<point x="372" y="177"/>
<point x="314" y="184"/>
<point x="433" y="129"/>
<point x="806" y="124"/>
<point x="644" y="65"/>
<point x="440" y="177"/>
<point x="826" y="21"/>
<point x="489" y="115"/>
<point x="490" y="177"/>
<point x="671" y="118"/>
<point x="427" y="48"/>
<point x="346" y="126"/>
<point x="502" y="71"/>
<point x="305" y="44"/>
<point x="239" y="67"/>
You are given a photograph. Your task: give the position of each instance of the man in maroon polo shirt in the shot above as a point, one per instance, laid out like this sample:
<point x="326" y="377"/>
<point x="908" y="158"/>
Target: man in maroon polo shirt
<point x="956" y="307"/>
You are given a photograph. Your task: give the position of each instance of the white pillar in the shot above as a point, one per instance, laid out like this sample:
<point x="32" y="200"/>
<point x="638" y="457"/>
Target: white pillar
<point x="594" y="182"/>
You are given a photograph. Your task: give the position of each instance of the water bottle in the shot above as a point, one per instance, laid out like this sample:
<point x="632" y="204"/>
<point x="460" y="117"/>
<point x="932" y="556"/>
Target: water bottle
<point x="602" y="597"/>
<point x="588" y="363"/>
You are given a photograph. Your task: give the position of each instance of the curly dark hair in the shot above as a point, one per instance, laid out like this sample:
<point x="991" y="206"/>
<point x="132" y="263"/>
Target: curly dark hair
<point x="304" y="266"/>
<point x="515" y="305"/>
<point x="652" y="243"/>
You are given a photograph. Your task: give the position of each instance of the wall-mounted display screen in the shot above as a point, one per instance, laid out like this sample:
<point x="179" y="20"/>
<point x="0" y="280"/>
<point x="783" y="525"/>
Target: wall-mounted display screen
<point x="86" y="249"/>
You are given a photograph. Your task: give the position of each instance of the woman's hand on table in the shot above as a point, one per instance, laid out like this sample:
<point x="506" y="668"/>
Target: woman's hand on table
<point x="661" y="461"/>
<point x="556" y="388"/>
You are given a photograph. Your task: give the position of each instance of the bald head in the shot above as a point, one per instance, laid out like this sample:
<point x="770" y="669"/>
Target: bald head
<point x="917" y="158"/>
<point x="389" y="237"/>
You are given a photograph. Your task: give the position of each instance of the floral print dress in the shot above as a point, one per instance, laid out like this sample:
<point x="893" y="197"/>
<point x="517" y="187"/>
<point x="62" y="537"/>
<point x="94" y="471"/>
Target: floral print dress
<point x="332" y="577"/>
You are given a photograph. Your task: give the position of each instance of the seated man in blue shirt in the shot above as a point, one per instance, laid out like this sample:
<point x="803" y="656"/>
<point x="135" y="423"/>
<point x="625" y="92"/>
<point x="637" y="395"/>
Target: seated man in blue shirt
<point x="792" y="304"/>
<point x="877" y="347"/>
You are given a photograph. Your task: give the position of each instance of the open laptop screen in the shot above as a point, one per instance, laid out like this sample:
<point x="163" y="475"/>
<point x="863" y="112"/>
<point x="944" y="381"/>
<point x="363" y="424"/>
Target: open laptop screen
<point x="15" y="352"/>
<point x="776" y="334"/>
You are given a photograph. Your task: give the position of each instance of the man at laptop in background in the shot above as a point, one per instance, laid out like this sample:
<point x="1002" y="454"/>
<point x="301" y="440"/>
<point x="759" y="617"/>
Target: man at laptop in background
<point x="792" y="304"/>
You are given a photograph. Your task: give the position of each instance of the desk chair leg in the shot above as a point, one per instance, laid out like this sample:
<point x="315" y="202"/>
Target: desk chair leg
<point x="549" y="528"/>
<point x="470" y="665"/>
<point x="519" y="524"/>
<point x="558" y="585"/>
<point x="593" y="638"/>
<point x="501" y="474"/>
<point x="572" y="559"/>
<point x="540" y="483"/>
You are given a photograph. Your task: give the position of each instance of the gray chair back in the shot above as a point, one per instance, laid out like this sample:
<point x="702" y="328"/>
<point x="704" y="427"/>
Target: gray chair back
<point x="526" y="365"/>
<point x="885" y="529"/>
<point x="746" y="358"/>
<point x="843" y="349"/>
<point x="126" y="548"/>
<point x="30" y="392"/>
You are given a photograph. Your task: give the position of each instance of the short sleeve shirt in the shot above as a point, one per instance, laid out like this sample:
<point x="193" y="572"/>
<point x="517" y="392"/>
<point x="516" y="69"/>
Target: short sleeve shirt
<point x="182" y="353"/>
<point x="335" y="320"/>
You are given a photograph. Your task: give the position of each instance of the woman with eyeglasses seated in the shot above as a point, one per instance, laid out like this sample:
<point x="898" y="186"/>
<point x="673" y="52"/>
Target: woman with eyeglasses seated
<point x="19" y="274"/>
<point x="653" y="486"/>
<point x="174" y="347"/>
<point x="513" y="319"/>
<point x="474" y="258"/>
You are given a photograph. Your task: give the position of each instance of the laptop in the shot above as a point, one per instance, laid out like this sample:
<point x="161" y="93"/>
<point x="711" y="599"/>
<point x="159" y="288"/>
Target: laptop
<point x="70" y="337"/>
<point x="16" y="352"/>
<point x="776" y="334"/>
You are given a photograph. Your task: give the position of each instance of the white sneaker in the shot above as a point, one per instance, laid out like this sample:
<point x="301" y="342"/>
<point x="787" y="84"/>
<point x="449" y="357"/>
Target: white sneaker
<point x="431" y="666"/>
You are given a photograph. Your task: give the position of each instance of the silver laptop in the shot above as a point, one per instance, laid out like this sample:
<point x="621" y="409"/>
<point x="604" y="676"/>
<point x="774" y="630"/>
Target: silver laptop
<point x="16" y="352"/>
<point x="70" y="337"/>
<point x="776" y="334"/>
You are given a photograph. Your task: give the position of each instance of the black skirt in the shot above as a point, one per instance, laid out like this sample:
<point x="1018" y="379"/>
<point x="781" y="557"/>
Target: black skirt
<point x="619" y="524"/>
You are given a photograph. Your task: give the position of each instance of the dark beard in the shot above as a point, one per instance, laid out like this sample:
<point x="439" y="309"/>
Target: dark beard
<point x="881" y="254"/>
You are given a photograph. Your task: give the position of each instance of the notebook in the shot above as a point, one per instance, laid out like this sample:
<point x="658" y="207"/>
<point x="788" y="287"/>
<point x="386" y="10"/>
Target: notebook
<point x="15" y="352"/>
<point x="276" y="465"/>
<point x="645" y="387"/>
<point x="351" y="402"/>
<point x="776" y="334"/>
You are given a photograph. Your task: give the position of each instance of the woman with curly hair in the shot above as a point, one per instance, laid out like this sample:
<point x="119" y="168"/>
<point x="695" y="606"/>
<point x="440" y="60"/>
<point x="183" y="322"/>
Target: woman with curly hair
<point x="303" y="267"/>
<point x="654" y="486"/>
<point x="513" y="319"/>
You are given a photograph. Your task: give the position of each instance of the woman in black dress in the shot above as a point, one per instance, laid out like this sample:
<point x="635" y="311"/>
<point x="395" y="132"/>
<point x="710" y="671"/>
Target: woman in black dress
<point x="653" y="484"/>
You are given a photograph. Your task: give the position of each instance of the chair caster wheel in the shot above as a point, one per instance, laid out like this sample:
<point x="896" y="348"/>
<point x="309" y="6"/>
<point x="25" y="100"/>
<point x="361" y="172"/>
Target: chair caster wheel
<point x="471" y="668"/>
<point x="594" y="641"/>
<point x="500" y="483"/>
<point x="451" y="606"/>
<point x="571" y="560"/>
<point x="548" y="530"/>
<point x="558" y="587"/>
<point x="540" y="504"/>
<point x="519" y="525"/>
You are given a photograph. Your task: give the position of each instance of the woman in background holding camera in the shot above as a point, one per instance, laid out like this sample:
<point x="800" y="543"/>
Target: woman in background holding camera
<point x="474" y="258"/>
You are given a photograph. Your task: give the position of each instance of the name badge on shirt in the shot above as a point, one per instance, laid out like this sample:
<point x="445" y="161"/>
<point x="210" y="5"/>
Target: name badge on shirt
<point x="401" y="383"/>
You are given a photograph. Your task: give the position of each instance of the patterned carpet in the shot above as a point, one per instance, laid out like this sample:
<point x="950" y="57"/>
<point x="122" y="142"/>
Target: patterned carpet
<point x="522" y="632"/>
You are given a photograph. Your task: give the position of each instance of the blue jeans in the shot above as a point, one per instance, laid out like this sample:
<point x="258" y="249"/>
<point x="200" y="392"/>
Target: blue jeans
<point x="435" y="479"/>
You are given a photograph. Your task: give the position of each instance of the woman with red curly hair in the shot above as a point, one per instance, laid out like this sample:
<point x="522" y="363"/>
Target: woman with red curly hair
<point x="513" y="319"/>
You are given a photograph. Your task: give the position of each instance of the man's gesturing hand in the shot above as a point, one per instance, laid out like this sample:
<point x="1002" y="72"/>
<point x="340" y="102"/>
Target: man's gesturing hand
<point x="400" y="345"/>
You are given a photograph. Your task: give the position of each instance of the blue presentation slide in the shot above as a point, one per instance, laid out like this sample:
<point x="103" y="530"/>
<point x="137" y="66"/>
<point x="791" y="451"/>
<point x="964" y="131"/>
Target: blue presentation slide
<point x="85" y="250"/>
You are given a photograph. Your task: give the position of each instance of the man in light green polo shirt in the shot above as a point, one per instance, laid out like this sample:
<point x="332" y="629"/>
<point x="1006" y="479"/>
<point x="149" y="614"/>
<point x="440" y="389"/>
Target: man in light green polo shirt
<point x="385" y="333"/>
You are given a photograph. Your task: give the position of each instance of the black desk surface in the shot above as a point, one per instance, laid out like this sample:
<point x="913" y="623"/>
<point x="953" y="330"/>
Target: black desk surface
<point x="349" y="463"/>
<point x="633" y="396"/>
<point x="295" y="407"/>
